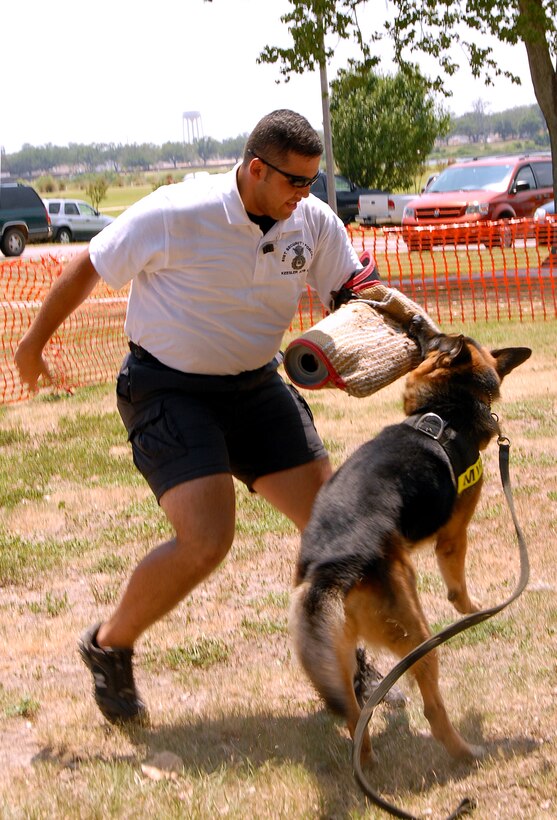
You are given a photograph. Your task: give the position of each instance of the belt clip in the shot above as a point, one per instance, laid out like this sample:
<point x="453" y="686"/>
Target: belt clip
<point x="432" y="425"/>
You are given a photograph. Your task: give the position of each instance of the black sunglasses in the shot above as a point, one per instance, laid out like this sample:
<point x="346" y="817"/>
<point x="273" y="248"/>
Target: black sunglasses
<point x="294" y="180"/>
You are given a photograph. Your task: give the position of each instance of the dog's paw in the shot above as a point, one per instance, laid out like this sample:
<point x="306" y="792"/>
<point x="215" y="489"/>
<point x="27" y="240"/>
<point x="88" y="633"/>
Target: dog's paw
<point x="463" y="603"/>
<point x="476" y="752"/>
<point x="368" y="758"/>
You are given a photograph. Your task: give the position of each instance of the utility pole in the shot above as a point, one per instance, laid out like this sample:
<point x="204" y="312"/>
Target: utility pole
<point x="327" y="136"/>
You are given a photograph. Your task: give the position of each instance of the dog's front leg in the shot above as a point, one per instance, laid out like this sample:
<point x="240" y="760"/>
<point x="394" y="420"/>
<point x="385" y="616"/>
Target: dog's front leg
<point x="450" y="550"/>
<point x="408" y="628"/>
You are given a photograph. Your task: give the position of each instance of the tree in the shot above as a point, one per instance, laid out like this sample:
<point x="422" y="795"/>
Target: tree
<point x="312" y="21"/>
<point x="96" y="190"/>
<point x="384" y="127"/>
<point x="480" y="120"/>
<point x="138" y="156"/>
<point x="234" y="146"/>
<point x="176" y="152"/>
<point x="206" y="147"/>
<point x="434" y="27"/>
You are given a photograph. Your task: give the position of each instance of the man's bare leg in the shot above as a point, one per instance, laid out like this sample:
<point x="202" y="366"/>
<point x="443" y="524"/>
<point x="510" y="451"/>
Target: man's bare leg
<point x="202" y="513"/>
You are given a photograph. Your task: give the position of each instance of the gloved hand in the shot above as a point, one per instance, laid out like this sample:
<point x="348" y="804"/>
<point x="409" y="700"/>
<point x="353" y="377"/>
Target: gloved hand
<point x="365" y="284"/>
<point x="361" y="280"/>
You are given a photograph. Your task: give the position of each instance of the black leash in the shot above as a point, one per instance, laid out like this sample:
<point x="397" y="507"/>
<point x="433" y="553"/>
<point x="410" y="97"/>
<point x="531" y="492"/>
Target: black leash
<point x="467" y="805"/>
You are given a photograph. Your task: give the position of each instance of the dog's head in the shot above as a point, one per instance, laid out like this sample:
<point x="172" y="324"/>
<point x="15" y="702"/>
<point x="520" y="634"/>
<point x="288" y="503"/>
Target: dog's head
<point x="454" y="367"/>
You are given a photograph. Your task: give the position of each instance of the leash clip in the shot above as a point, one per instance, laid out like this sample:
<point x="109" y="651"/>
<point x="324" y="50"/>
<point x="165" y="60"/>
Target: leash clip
<point x="432" y="425"/>
<point x="502" y="440"/>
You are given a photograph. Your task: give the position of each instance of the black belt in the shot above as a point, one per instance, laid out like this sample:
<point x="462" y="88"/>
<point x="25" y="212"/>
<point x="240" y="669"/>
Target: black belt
<point x="204" y="381"/>
<point x="142" y="354"/>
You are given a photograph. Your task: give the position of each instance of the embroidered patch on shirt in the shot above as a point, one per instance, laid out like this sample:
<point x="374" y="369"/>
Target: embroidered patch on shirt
<point x="297" y="253"/>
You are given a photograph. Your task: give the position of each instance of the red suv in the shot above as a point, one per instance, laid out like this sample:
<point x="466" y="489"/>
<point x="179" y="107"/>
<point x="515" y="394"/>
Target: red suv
<point x="467" y="196"/>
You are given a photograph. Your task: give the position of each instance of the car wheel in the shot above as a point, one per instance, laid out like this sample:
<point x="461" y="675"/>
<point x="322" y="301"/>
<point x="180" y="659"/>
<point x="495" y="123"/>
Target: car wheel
<point x="13" y="242"/>
<point x="64" y="236"/>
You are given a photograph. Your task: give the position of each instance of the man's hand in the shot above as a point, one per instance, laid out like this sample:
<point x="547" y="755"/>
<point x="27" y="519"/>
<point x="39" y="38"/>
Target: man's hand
<point x="72" y="287"/>
<point x="31" y="365"/>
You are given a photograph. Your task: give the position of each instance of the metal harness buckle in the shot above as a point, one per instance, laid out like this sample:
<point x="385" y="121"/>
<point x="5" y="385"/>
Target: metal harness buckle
<point x="432" y="425"/>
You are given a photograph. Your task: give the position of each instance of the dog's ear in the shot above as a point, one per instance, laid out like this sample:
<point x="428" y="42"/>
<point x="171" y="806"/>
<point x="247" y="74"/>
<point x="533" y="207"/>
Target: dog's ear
<point x="508" y="358"/>
<point x="454" y="351"/>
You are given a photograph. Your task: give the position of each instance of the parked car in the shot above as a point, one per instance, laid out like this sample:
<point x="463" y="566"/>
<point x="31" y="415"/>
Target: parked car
<point x="545" y="225"/>
<point x="23" y="218"/>
<point x="347" y="193"/>
<point x="74" y="220"/>
<point x="382" y="208"/>
<point x="468" y="195"/>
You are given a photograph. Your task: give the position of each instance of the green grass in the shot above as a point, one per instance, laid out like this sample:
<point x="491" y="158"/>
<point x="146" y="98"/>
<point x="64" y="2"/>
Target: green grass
<point x="501" y="628"/>
<point x="201" y="654"/>
<point x="78" y="450"/>
<point x="252" y="627"/>
<point x="17" y="705"/>
<point x="51" y="605"/>
<point x="24" y="560"/>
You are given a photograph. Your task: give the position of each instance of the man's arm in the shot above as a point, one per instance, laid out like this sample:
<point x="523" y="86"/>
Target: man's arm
<point x="73" y="286"/>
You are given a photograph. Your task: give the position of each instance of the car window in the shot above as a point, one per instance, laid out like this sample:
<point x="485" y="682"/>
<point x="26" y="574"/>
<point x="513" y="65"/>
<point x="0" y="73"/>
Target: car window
<point x="54" y="207"/>
<point x="342" y="184"/>
<point x="70" y="208"/>
<point x="544" y="174"/>
<point x="19" y="196"/>
<point x="86" y="210"/>
<point x="8" y="197"/>
<point x="473" y="178"/>
<point x="27" y="197"/>
<point x="525" y="174"/>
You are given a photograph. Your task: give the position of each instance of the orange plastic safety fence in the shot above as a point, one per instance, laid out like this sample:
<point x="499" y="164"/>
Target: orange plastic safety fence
<point x="505" y="271"/>
<point x="87" y="347"/>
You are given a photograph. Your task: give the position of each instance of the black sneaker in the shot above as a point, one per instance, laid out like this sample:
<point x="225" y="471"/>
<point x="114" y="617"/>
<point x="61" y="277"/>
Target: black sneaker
<point x="113" y="682"/>
<point x="368" y="678"/>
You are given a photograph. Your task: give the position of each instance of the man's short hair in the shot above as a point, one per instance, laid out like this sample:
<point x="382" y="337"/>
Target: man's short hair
<point x="280" y="132"/>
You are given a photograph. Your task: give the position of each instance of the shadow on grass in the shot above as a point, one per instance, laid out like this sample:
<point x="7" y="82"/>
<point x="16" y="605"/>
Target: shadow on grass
<point x="408" y="763"/>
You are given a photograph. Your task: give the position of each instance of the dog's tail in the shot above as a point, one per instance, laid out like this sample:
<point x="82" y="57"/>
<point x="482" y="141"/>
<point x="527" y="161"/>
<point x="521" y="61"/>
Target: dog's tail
<point x="318" y="627"/>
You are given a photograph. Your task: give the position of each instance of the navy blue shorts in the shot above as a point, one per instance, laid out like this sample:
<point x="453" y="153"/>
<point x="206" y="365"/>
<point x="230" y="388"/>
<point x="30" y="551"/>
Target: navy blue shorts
<point x="184" y="426"/>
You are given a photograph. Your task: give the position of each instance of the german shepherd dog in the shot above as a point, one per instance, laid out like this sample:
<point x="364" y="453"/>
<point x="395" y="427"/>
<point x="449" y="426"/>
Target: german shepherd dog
<point x="418" y="479"/>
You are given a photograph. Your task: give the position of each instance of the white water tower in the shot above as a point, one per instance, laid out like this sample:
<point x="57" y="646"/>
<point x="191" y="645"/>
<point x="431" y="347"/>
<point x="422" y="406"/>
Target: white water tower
<point x="191" y="127"/>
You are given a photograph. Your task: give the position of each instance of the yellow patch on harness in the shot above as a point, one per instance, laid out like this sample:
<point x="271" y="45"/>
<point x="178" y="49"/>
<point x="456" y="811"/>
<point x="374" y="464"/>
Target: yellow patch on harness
<point x="470" y="476"/>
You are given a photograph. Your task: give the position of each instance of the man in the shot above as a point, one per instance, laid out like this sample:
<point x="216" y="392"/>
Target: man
<point x="217" y="267"/>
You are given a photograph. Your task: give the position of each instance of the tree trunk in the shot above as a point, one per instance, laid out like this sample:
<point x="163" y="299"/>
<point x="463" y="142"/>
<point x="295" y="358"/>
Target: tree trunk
<point x="542" y="71"/>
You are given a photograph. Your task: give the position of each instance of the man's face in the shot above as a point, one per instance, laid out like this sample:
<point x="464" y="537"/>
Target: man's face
<point x="274" y="194"/>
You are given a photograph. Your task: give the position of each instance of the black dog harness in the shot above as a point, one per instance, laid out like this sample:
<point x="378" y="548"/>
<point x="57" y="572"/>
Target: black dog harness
<point x="462" y="456"/>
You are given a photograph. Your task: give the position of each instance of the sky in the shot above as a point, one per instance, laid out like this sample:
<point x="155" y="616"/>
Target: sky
<point x="122" y="71"/>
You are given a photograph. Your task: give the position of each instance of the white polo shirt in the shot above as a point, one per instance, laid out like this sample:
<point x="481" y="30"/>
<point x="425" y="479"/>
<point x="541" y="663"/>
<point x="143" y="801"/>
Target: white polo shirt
<point x="210" y="294"/>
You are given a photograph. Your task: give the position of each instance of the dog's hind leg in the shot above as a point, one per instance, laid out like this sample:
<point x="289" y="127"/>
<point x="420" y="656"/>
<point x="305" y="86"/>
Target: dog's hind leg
<point x="325" y="643"/>
<point x="450" y="550"/>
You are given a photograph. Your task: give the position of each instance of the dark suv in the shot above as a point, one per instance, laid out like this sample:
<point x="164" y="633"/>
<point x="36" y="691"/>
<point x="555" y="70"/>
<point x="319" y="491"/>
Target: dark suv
<point x="348" y="195"/>
<point x="23" y="218"/>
